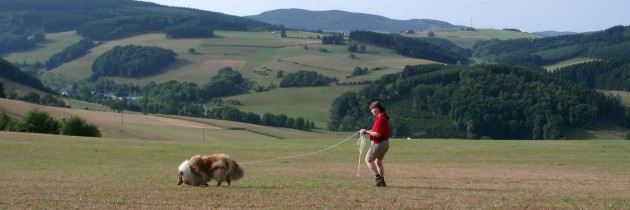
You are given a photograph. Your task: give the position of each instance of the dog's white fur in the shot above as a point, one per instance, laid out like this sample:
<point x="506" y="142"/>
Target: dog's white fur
<point x="199" y="170"/>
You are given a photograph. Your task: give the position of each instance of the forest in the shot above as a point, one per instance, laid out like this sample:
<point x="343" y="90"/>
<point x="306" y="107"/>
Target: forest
<point x="485" y="101"/>
<point x="599" y="74"/>
<point x="132" y="61"/>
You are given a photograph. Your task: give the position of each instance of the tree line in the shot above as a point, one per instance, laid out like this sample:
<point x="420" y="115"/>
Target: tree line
<point x="487" y="101"/>
<point x="132" y="61"/>
<point x="415" y="48"/>
<point x="268" y="119"/>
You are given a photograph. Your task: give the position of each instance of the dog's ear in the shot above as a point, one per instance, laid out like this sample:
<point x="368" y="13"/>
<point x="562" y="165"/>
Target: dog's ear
<point x="181" y="179"/>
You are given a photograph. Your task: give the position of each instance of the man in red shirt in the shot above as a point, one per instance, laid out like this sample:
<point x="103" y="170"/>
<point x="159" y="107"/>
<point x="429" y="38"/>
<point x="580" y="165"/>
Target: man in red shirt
<point x="379" y="136"/>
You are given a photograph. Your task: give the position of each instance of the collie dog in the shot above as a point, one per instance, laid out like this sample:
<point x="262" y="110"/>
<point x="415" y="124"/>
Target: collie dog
<point x="199" y="170"/>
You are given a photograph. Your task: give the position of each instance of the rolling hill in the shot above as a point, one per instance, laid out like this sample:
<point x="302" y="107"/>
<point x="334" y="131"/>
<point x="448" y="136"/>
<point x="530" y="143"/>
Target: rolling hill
<point x="337" y="20"/>
<point x="162" y="127"/>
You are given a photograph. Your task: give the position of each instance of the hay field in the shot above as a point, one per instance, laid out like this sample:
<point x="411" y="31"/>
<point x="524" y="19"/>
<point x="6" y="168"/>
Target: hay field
<point x="61" y="172"/>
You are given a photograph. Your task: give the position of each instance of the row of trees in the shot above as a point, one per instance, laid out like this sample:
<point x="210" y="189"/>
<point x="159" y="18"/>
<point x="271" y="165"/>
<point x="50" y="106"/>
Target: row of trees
<point x="406" y="46"/>
<point x="36" y="121"/>
<point x="69" y="53"/>
<point x="336" y="39"/>
<point x="268" y="119"/>
<point x="47" y="100"/>
<point x="488" y="101"/>
<point x="132" y="61"/>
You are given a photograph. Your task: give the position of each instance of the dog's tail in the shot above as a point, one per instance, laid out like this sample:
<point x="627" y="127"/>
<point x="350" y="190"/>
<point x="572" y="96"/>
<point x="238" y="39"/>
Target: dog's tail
<point x="234" y="170"/>
<point x="237" y="172"/>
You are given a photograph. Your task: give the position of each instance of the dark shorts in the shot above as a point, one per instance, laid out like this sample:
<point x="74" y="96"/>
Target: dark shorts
<point x="377" y="151"/>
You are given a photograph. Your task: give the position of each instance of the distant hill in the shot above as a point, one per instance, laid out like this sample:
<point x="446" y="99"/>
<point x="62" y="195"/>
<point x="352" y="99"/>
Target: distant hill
<point x="337" y="20"/>
<point x="554" y="33"/>
<point x="612" y="43"/>
<point x="24" y="16"/>
<point x="22" y="22"/>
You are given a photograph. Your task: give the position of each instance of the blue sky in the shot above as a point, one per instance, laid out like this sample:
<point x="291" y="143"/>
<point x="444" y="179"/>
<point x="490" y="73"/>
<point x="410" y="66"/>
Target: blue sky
<point x="526" y="15"/>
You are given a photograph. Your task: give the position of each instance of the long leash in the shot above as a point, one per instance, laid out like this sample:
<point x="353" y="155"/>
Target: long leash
<point x="302" y="155"/>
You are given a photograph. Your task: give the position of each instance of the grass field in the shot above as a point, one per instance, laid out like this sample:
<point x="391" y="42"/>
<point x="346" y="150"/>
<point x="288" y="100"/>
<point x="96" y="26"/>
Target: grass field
<point x="311" y="103"/>
<point x="60" y="172"/>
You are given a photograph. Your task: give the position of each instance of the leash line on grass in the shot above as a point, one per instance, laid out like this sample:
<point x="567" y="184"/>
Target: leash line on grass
<point x="302" y="155"/>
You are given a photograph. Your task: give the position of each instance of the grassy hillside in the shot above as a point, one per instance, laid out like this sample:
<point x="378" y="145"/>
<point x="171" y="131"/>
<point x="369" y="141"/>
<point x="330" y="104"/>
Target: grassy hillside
<point x="139" y="126"/>
<point x="259" y="56"/>
<point x="251" y="53"/>
<point x="467" y="39"/>
<point x="62" y="172"/>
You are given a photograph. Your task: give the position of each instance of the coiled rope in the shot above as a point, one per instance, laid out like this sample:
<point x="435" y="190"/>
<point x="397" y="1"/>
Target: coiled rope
<point x="302" y="155"/>
<point x="361" y="143"/>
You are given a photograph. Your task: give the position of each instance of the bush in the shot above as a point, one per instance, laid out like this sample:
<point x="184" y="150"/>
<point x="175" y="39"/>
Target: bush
<point x="36" y="121"/>
<point x="77" y="126"/>
<point x="6" y="122"/>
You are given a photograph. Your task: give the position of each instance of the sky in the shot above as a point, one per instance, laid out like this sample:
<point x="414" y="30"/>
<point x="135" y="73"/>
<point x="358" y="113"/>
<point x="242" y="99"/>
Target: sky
<point x="525" y="15"/>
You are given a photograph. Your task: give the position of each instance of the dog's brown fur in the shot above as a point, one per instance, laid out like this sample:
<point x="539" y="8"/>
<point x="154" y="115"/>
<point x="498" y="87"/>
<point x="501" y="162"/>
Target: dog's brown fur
<point x="203" y="169"/>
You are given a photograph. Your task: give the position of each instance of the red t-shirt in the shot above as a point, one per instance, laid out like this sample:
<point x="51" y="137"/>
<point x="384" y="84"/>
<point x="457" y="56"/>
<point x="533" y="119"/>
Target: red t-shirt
<point x="381" y="126"/>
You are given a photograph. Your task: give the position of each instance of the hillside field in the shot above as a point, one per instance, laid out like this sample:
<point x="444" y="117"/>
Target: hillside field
<point x="61" y="172"/>
<point x="467" y="39"/>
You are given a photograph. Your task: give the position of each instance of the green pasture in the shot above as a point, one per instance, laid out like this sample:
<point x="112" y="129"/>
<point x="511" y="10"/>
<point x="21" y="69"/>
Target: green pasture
<point x="61" y="172"/>
<point x="53" y="44"/>
<point x="311" y="103"/>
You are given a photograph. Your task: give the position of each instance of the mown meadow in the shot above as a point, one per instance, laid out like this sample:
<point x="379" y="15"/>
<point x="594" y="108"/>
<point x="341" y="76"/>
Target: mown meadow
<point x="61" y="172"/>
